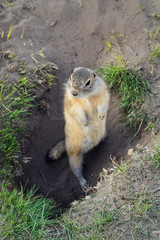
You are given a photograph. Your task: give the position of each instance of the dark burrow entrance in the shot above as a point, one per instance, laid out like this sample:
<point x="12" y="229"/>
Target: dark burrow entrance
<point x="56" y="179"/>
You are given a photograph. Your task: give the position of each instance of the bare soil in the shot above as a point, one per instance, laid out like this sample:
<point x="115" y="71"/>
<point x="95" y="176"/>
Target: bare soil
<point x="73" y="34"/>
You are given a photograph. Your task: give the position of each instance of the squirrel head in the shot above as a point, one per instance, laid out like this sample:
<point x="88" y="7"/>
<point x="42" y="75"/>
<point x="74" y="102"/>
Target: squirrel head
<point x="82" y="82"/>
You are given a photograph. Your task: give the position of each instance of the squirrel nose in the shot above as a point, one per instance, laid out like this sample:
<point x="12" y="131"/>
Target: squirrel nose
<point x="74" y="93"/>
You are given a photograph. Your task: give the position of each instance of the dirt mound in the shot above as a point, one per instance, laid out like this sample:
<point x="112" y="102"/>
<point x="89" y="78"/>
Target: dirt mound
<point x="71" y="34"/>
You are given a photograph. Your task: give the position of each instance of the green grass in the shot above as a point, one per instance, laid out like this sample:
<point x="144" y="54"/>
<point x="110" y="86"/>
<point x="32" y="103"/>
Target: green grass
<point x="155" y="159"/>
<point x="133" y="88"/>
<point x="41" y="73"/>
<point x="93" y="226"/>
<point x="155" y="15"/>
<point x="24" y="216"/>
<point x="15" y="101"/>
<point x="153" y="42"/>
<point x="9" y="33"/>
<point x="21" y="216"/>
<point x="156" y="52"/>
<point x="8" y="3"/>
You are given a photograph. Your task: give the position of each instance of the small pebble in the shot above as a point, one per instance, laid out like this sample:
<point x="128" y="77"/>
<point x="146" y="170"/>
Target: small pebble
<point x="130" y="152"/>
<point x="139" y="146"/>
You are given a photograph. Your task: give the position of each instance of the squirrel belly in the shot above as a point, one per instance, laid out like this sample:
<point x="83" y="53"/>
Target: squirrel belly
<point x="81" y="134"/>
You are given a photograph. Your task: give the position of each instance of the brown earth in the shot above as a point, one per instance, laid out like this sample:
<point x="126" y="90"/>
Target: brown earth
<point x="73" y="34"/>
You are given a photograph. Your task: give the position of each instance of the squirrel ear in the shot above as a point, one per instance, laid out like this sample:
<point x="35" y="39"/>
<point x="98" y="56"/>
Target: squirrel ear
<point x="75" y="69"/>
<point x="71" y="76"/>
<point x="94" y="75"/>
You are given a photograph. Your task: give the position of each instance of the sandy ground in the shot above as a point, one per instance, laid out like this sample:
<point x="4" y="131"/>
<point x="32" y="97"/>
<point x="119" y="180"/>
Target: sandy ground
<point x="72" y="34"/>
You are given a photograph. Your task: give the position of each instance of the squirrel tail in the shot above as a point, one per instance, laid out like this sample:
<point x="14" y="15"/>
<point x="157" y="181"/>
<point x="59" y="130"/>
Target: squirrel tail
<point x="57" y="150"/>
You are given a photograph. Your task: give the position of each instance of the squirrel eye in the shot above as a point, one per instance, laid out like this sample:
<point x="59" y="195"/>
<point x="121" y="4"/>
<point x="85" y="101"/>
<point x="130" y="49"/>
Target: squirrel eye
<point x="88" y="83"/>
<point x="94" y="75"/>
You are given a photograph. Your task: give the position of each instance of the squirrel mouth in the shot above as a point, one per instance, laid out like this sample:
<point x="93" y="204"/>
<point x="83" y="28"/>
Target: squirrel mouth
<point x="74" y="93"/>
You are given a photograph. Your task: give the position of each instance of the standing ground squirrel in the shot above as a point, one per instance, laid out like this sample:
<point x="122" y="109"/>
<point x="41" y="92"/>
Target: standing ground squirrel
<point x="86" y="104"/>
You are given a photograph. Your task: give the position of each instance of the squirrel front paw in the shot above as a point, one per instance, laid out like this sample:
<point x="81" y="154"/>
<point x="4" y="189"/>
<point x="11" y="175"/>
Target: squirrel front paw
<point x="102" y="112"/>
<point x="85" y="120"/>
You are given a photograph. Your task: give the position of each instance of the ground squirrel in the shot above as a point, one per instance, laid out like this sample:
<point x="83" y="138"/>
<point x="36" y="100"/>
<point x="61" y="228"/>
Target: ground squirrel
<point x="85" y="110"/>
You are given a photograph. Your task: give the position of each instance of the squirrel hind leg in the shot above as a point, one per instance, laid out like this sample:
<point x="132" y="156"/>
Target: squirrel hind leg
<point x="57" y="150"/>
<point x="76" y="166"/>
